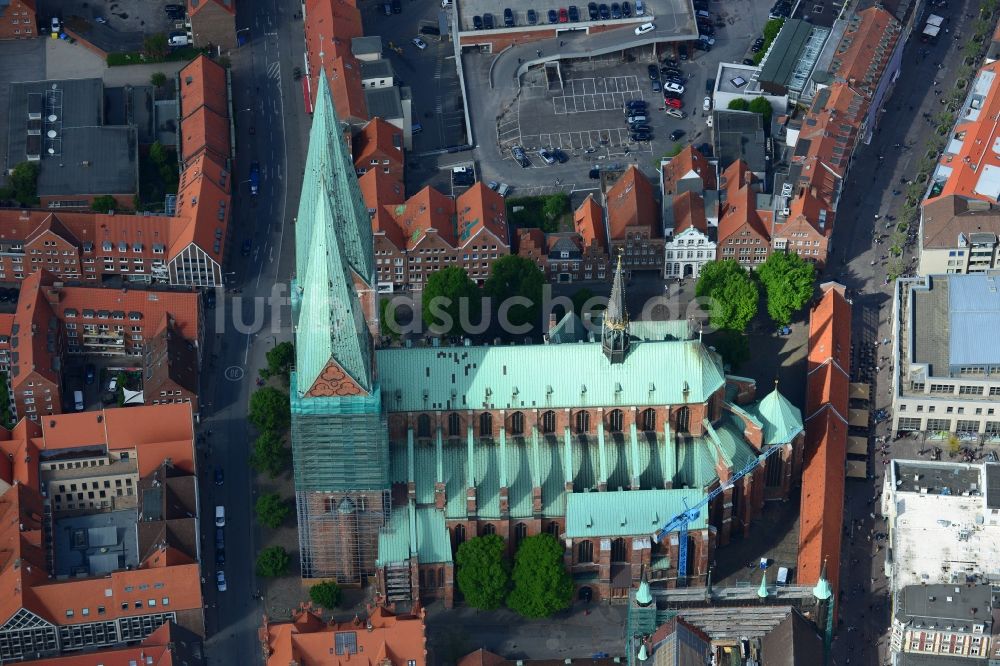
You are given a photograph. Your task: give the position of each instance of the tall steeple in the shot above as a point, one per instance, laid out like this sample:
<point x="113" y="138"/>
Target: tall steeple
<point x="333" y="263"/>
<point x="615" y="329"/>
<point x="329" y="169"/>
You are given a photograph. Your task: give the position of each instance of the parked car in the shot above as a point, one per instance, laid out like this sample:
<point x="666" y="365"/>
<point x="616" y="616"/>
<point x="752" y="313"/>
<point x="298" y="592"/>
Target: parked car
<point x="670" y="62"/>
<point x="488" y="21"/>
<point x="592" y="11"/>
<point x="653" y="72"/>
<point x="397" y="7"/>
<point x="532" y="17"/>
<point x="644" y="28"/>
<point x="419" y="43"/>
<point x="220" y="581"/>
<point x="560" y="156"/>
<point x="574" y="14"/>
<point x="655" y="85"/>
<point x="706" y="104"/>
<point x="673" y="103"/>
<point x="220" y="557"/>
<point x="254" y="177"/>
<point x="89" y="373"/>
<point x="171" y="10"/>
<point x="508" y="17"/>
<point x="546" y="156"/>
<point x="56" y="25"/>
<point x="101" y="20"/>
<point x="626" y="10"/>
<point x="616" y="10"/>
<point x="671" y="71"/>
<point x="563" y="15"/>
<point x="640" y="9"/>
<point x="594" y="174"/>
<point x="748" y="61"/>
<point x="553" y="16"/>
<point x="640" y="127"/>
<point x="677" y="134"/>
<point x="640" y="136"/>
<point x="387" y="9"/>
<point x="682" y="52"/>
<point x="178" y="38"/>
<point x="675" y="113"/>
<point x="675" y="88"/>
<point x="520" y="157"/>
<point x="706" y="39"/>
<point x="247" y="245"/>
<point x="702" y="45"/>
<point x="604" y="11"/>
<point x="635" y="104"/>
<point x="219" y="476"/>
<point x="477" y="22"/>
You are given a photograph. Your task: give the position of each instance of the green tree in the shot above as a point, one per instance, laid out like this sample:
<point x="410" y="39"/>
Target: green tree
<point x="733" y="346"/>
<point x="738" y="104"/>
<point x="483" y="571"/>
<point x="24" y="183"/>
<point x="326" y="594"/>
<point x="269" y="410"/>
<point x="732" y="293"/>
<point x="514" y="276"/>
<point x="788" y="285"/>
<point x="273" y="562"/>
<point x="269" y="454"/>
<point x="158" y="154"/>
<point x="280" y="359"/>
<point x="448" y="293"/>
<point x="761" y="106"/>
<point x="158" y="79"/>
<point x="542" y="585"/>
<point x="771" y="29"/>
<point x="271" y="510"/>
<point x="555" y="206"/>
<point x="156" y="46"/>
<point x="103" y="204"/>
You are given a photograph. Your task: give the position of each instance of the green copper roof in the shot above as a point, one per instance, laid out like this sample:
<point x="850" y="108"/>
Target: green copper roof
<point x="330" y="172"/>
<point x="628" y="513"/>
<point x="330" y="323"/>
<point x="417" y="531"/>
<point x="527" y="376"/>
<point x="781" y="420"/>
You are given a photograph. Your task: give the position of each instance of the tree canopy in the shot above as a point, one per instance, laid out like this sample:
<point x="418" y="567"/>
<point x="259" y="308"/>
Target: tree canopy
<point x="732" y="292"/>
<point x="763" y="107"/>
<point x="103" y="204"/>
<point x="158" y="79"/>
<point x="269" y="410"/>
<point x="269" y="454"/>
<point x="447" y="293"/>
<point x="513" y="276"/>
<point x="326" y="594"/>
<point x="542" y="585"/>
<point x="273" y="562"/>
<point x="271" y="510"/>
<point x="738" y="104"/>
<point x="23" y="184"/>
<point x="280" y="360"/>
<point x="483" y="571"/>
<point x="156" y="46"/>
<point x="788" y="285"/>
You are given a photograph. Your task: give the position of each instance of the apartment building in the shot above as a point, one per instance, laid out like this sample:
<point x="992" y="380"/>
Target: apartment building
<point x="213" y="23"/>
<point x="431" y="231"/>
<point x="570" y="256"/>
<point x="945" y="377"/>
<point x="163" y="331"/>
<point x="633" y="221"/>
<point x="691" y="242"/>
<point x="17" y="19"/>
<point x="743" y="227"/>
<point x="105" y="565"/>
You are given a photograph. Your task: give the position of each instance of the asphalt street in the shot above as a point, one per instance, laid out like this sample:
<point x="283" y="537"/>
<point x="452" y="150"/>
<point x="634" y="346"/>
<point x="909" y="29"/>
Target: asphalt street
<point x="271" y="128"/>
<point x="877" y="170"/>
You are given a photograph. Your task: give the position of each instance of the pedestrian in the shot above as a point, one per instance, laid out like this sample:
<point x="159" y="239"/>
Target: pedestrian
<point x="539" y="52"/>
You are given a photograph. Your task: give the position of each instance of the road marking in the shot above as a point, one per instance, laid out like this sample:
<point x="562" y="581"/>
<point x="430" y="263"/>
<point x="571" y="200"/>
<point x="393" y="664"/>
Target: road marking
<point x="234" y="373"/>
<point x="274" y="70"/>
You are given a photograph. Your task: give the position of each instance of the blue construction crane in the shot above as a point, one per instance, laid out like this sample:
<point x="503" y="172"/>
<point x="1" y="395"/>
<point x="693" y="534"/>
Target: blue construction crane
<point x="681" y="521"/>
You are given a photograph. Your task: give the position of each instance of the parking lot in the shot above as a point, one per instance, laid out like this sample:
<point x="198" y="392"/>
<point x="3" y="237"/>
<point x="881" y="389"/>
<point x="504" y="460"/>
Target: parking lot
<point x="429" y="73"/>
<point x="127" y="21"/>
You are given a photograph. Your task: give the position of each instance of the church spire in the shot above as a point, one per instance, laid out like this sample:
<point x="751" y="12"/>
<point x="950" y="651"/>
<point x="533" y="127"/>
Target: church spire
<point x="615" y="329"/>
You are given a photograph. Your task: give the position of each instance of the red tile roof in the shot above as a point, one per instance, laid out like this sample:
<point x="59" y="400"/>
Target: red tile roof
<point x="689" y="211"/>
<point x="203" y="83"/>
<point x="330" y="25"/>
<point x="378" y="140"/>
<point x="479" y="208"/>
<point x="380" y="189"/>
<point x="196" y="6"/>
<point x="631" y="203"/>
<point x="203" y="208"/>
<point x="205" y="130"/>
<point x="821" y="517"/>
<point x="588" y="221"/>
<point x="35" y="332"/>
<point x="397" y="640"/>
<point x="427" y="209"/>
<point x="383" y="223"/>
<point x="865" y="49"/>
<point x="157" y="649"/>
<point x="740" y="214"/>
<point x="686" y="164"/>
<point x="831" y="127"/>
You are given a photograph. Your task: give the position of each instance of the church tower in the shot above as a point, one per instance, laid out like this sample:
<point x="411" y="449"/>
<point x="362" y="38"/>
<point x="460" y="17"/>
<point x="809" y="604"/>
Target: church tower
<point x="614" y="329"/>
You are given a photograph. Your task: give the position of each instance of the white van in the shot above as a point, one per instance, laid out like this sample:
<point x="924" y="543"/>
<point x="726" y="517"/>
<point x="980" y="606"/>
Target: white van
<point x="220" y="516"/>
<point x="178" y="40"/>
<point x="78" y="400"/>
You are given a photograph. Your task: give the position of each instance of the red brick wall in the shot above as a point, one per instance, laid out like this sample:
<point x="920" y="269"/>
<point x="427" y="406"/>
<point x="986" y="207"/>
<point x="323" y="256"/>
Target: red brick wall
<point x="18" y="22"/>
